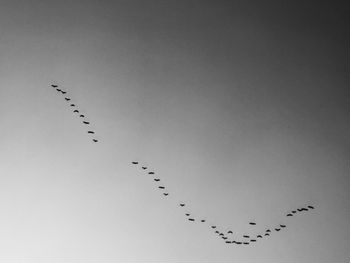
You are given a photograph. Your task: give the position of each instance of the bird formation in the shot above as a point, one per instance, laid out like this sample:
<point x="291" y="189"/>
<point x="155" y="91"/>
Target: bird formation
<point x="54" y="86"/>
<point x="228" y="236"/>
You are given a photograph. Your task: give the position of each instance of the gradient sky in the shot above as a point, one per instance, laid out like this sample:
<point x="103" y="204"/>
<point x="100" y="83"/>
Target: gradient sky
<point x="241" y="107"/>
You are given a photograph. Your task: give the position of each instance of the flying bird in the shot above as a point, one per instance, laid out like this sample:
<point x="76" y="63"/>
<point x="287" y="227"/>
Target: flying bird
<point x="268" y="230"/>
<point x="300" y="209"/>
<point x="311" y="207"/>
<point x="289" y="214"/>
<point x="135" y="162"/>
<point x="63" y="92"/>
<point x="166" y="194"/>
<point x="277" y="229"/>
<point x="246" y="243"/>
<point x="86" y="122"/>
<point x="76" y="111"/>
<point x="227" y="242"/>
<point x="67" y="99"/>
<point x="81" y="116"/>
<point x="221" y="234"/>
<point x="213" y="227"/>
<point x="59" y="90"/>
<point x="72" y="105"/>
<point x="151" y="173"/>
<point x="294" y="211"/>
<point x="144" y="167"/>
<point x="238" y="243"/>
<point x="91" y="132"/>
<point x="187" y="214"/>
<point x="282" y="226"/>
<point x="224" y="238"/>
<point x="252" y="223"/>
<point x="182" y="204"/>
<point x="229" y="232"/>
<point x="95" y="140"/>
<point x="245" y="236"/>
<point x="191" y="219"/>
<point x="259" y="236"/>
<point x="202" y="220"/>
<point x="54" y="86"/>
<point x="267" y="234"/>
<point x="156" y="179"/>
<point x="161" y="187"/>
<point x="253" y="240"/>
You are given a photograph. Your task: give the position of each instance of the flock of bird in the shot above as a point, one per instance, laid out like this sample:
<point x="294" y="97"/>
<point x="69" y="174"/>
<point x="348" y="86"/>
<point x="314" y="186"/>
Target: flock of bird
<point x="76" y="110"/>
<point x="224" y="233"/>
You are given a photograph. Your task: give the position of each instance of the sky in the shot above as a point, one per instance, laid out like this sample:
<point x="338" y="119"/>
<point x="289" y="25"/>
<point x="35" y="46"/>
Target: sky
<point x="240" y="107"/>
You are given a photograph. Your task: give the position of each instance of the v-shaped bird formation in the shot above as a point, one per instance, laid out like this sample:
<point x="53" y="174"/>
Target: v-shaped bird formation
<point x="223" y="233"/>
<point x="228" y="236"/>
<point x="76" y="110"/>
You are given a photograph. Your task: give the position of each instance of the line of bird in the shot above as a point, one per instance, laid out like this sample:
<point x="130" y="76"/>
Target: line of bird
<point x="227" y="236"/>
<point x="69" y="100"/>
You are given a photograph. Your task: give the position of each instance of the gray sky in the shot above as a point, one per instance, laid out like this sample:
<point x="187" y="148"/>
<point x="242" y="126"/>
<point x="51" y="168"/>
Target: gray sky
<point x="240" y="108"/>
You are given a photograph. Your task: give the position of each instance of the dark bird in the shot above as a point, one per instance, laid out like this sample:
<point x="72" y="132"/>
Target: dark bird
<point x="63" y="92"/>
<point x="289" y="214"/>
<point x="202" y="220"/>
<point x="311" y="207"/>
<point x="135" y="162"/>
<point x="252" y="223"/>
<point x="305" y="209"/>
<point x="94" y="140"/>
<point x="277" y="229"/>
<point x="282" y="226"/>
<point x="67" y="99"/>
<point x="253" y="240"/>
<point x="217" y="232"/>
<point x="76" y="111"/>
<point x="151" y="173"/>
<point x="267" y="234"/>
<point x="166" y="194"/>
<point x="156" y="179"/>
<point x="213" y="227"/>
<point x="191" y="219"/>
<point x="182" y="204"/>
<point x="246" y="243"/>
<point x="144" y="167"/>
<point x="187" y="214"/>
<point x="268" y="230"/>
<point x="245" y="236"/>
<point x="72" y="105"/>
<point x="294" y="211"/>
<point x="229" y="232"/>
<point x="300" y="209"/>
<point x="221" y="234"/>
<point x="227" y="242"/>
<point x="238" y="243"/>
<point x="86" y="122"/>
<point x="54" y="86"/>
<point x="91" y="132"/>
<point x="259" y="236"/>
<point x="81" y="116"/>
<point x="224" y="238"/>
<point x="161" y="187"/>
<point x="59" y="90"/>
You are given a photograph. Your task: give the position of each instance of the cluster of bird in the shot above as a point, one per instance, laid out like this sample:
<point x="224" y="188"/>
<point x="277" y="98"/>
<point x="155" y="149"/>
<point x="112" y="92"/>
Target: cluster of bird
<point x="69" y="100"/>
<point x="225" y="234"/>
<point x="228" y="236"/>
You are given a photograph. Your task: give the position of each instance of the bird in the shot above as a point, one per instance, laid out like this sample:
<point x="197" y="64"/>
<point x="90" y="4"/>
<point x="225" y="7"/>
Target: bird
<point x="213" y="227"/>
<point x="221" y="234"/>
<point x="253" y="240"/>
<point x="294" y="211"/>
<point x="259" y="236"/>
<point x="63" y="92"/>
<point x="300" y="209"/>
<point x="144" y="167"/>
<point x="224" y="238"/>
<point x="268" y="230"/>
<point x="187" y="214"/>
<point x="156" y="179"/>
<point x="305" y="209"/>
<point x="67" y="99"/>
<point x="245" y="236"/>
<point x="282" y="226"/>
<point x="267" y="234"/>
<point x="182" y="205"/>
<point x="81" y="116"/>
<point x="238" y="243"/>
<point x="277" y="229"/>
<point x="229" y="232"/>
<point x="135" y="162"/>
<point x="72" y="105"/>
<point x="91" y="132"/>
<point x="311" y="207"/>
<point x="59" y="90"/>
<point x="217" y="232"/>
<point x="166" y="194"/>
<point x="252" y="223"/>
<point x="76" y="111"/>
<point x="227" y="242"/>
<point x="161" y="187"/>
<point x="191" y="219"/>
<point x="202" y="220"/>
<point x="151" y="173"/>
<point x="246" y="243"/>
<point x="94" y="140"/>
<point x="54" y="86"/>
<point x="86" y="122"/>
<point x="289" y="214"/>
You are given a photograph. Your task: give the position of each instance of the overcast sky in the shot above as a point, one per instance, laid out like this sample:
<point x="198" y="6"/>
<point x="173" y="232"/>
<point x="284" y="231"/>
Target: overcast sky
<point x="241" y="108"/>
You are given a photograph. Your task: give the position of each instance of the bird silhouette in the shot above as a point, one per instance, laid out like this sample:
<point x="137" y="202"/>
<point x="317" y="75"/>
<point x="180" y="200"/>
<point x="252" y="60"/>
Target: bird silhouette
<point x="182" y="205"/>
<point x="76" y="111"/>
<point x="277" y="229"/>
<point x="187" y="214"/>
<point x="238" y="243"/>
<point x="246" y="243"/>
<point x="289" y="214"/>
<point x="268" y="230"/>
<point x="63" y="92"/>
<point x="161" y="187"/>
<point x="252" y="223"/>
<point x="294" y="211"/>
<point x="311" y="207"/>
<point x="245" y="236"/>
<point x="217" y="232"/>
<point x="283" y="226"/>
<point x="72" y="105"/>
<point x="82" y="116"/>
<point x="253" y="240"/>
<point x="144" y="167"/>
<point x="202" y="220"/>
<point x="267" y="234"/>
<point x="86" y="122"/>
<point x="227" y="242"/>
<point x="213" y="227"/>
<point x="221" y="234"/>
<point x="59" y="90"/>
<point x="166" y="194"/>
<point x="150" y="172"/>
<point x="229" y="232"/>
<point x="94" y="140"/>
<point x="54" y="86"/>
<point x="135" y="162"/>
<point x="300" y="209"/>
<point x="191" y="219"/>
<point x="156" y="179"/>
<point x="259" y="236"/>
<point x="224" y="238"/>
<point x="91" y="132"/>
<point x="67" y="99"/>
